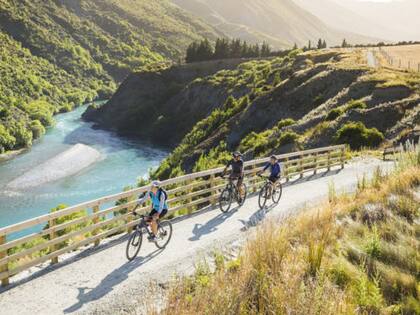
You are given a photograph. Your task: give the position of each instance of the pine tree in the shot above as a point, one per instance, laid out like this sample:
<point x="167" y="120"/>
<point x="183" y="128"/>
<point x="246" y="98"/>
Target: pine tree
<point x="204" y="51"/>
<point x="344" y="44"/>
<point x="265" y="50"/>
<point x="309" y="45"/>
<point x="324" y="44"/>
<point x="221" y="50"/>
<point x="319" y="46"/>
<point x="295" y="46"/>
<point x="235" y="48"/>
<point x="192" y="53"/>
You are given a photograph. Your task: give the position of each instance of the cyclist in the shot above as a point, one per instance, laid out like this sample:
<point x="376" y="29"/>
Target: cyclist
<point x="158" y="196"/>
<point x="237" y="166"/>
<point x="275" y="170"/>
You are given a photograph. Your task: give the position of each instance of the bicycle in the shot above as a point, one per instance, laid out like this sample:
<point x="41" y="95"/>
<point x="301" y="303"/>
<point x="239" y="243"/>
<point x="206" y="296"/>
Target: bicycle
<point x="136" y="237"/>
<point x="269" y="190"/>
<point x="229" y="193"/>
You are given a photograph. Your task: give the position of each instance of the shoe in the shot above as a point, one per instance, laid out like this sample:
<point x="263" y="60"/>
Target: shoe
<point x="152" y="238"/>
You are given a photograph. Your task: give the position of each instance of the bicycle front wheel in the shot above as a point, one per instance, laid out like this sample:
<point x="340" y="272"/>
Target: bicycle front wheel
<point x="164" y="234"/>
<point x="225" y="200"/>
<point x="134" y="244"/>
<point x="277" y="192"/>
<point x="263" y="196"/>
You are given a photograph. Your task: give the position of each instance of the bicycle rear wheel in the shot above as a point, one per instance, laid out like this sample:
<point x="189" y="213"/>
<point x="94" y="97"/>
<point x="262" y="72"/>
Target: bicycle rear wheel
<point x="277" y="192"/>
<point x="134" y="244"/>
<point x="264" y="196"/>
<point x="225" y="200"/>
<point x="242" y="198"/>
<point x="164" y="234"/>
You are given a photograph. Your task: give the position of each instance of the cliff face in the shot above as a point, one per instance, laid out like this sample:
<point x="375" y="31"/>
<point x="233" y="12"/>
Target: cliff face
<point x="263" y="106"/>
<point x="162" y="106"/>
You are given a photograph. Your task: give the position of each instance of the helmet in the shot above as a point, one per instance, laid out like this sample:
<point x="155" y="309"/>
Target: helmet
<point x="237" y="153"/>
<point x="156" y="183"/>
<point x="273" y="157"/>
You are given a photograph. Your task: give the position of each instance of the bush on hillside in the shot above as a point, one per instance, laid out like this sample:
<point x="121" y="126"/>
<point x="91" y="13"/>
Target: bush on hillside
<point x="37" y="129"/>
<point x="355" y="104"/>
<point x="334" y="114"/>
<point x="357" y="135"/>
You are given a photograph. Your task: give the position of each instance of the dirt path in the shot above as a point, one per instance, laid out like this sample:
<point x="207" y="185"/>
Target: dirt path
<point x="371" y="59"/>
<point x="101" y="281"/>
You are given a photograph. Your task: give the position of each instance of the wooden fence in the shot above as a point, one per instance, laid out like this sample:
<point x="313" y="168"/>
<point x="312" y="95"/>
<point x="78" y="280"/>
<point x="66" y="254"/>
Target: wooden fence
<point x="80" y="225"/>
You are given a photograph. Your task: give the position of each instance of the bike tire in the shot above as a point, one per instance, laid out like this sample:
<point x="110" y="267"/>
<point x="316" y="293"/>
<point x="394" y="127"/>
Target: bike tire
<point x="277" y="192"/>
<point x="225" y="200"/>
<point x="164" y="226"/>
<point x="263" y="196"/>
<point x="134" y="241"/>
<point x="242" y="201"/>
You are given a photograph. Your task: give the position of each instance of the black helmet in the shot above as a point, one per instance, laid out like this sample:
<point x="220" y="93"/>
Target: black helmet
<point x="237" y="153"/>
<point x="273" y="157"/>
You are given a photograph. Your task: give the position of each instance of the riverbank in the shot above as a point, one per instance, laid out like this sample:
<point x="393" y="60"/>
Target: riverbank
<point x="11" y="154"/>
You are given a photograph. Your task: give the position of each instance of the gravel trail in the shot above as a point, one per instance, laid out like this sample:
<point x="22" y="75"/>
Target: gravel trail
<point x="101" y="280"/>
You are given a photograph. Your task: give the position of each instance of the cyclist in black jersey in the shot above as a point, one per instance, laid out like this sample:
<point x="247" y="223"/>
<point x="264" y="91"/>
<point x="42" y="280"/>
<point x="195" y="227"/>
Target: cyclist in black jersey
<point x="237" y="167"/>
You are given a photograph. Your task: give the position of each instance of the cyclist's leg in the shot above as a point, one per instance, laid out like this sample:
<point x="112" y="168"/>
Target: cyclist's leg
<point x="239" y="185"/>
<point x="154" y="216"/>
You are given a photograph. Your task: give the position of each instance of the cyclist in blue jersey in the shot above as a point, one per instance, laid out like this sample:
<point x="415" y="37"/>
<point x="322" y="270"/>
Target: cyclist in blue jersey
<point x="275" y="170"/>
<point x="158" y="196"/>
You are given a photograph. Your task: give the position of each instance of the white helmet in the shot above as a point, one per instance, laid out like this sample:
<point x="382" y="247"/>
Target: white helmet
<point x="156" y="183"/>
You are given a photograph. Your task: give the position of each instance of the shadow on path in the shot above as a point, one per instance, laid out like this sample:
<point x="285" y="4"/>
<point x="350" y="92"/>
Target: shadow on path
<point x="84" y="252"/>
<point x="256" y="218"/>
<point x="87" y="295"/>
<point x="210" y="226"/>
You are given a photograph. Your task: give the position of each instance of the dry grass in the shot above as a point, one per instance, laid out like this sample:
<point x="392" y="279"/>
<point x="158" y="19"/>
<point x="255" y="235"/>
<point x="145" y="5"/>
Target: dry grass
<point x="405" y="57"/>
<point x="356" y="254"/>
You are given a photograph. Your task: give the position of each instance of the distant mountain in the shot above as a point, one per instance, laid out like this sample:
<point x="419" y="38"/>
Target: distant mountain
<point x="388" y="21"/>
<point x="401" y="16"/>
<point x="279" y="22"/>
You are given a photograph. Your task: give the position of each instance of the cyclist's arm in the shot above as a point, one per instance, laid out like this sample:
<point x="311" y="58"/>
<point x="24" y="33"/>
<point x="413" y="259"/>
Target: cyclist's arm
<point x="265" y="168"/>
<point x="145" y="198"/>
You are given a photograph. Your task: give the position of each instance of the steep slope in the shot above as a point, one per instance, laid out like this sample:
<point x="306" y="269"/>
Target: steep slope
<point x="55" y="55"/>
<point x="264" y="106"/>
<point x="280" y="22"/>
<point x="83" y="37"/>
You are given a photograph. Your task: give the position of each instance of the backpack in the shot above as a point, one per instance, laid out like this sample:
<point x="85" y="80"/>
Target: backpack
<point x="162" y="191"/>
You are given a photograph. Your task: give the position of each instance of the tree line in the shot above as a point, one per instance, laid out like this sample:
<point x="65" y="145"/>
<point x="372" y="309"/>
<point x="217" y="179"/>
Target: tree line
<point x="224" y="49"/>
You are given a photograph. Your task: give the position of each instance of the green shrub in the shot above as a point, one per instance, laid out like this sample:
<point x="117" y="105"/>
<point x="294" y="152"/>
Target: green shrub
<point x="7" y="141"/>
<point x="355" y="104"/>
<point x="288" y="137"/>
<point x="334" y="114"/>
<point x="37" y="129"/>
<point x="285" y="123"/>
<point x="357" y="135"/>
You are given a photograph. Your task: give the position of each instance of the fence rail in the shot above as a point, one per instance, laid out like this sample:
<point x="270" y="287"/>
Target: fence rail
<point x="188" y="193"/>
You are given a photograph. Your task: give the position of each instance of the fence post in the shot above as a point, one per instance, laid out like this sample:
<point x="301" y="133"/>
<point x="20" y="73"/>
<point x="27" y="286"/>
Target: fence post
<point x="316" y="163"/>
<point x="212" y="193"/>
<point x="286" y="169"/>
<point x="254" y="182"/>
<point x="96" y="221"/>
<point x="53" y="235"/>
<point x="418" y="67"/>
<point x="342" y="157"/>
<point x="5" y="267"/>
<point x="329" y="161"/>
<point x="189" y="200"/>
<point x="301" y="166"/>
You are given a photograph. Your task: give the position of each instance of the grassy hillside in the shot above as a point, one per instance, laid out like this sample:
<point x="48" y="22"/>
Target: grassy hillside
<point x="93" y="38"/>
<point x="301" y="100"/>
<point x="356" y="254"/>
<point x="279" y="22"/>
<point x="58" y="54"/>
